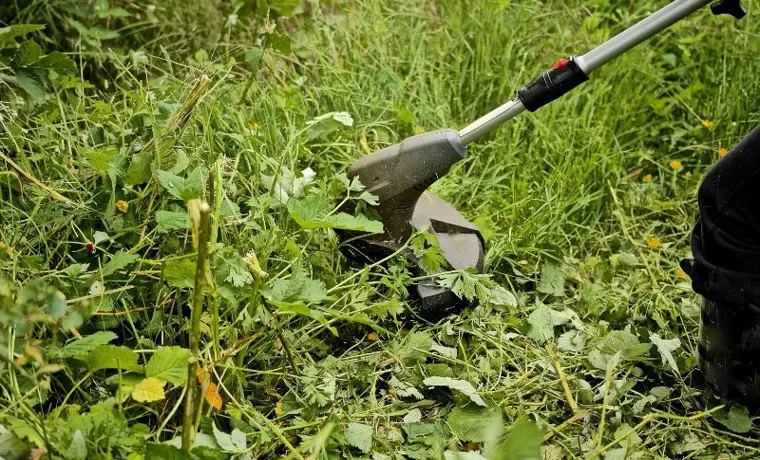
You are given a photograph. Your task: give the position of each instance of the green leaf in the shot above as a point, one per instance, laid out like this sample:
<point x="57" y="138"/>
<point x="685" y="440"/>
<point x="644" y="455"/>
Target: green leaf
<point x="11" y="447"/>
<point x="233" y="443"/>
<point x="24" y="430"/>
<point x="297" y="288"/>
<point x="236" y="269"/>
<point x="9" y="34"/>
<point x="180" y="273"/>
<point x="462" y="386"/>
<point x="155" y="451"/>
<point x="77" y="450"/>
<point x="184" y="189"/>
<point x="737" y="419"/>
<point x="359" y="435"/>
<point x="80" y="347"/>
<point x="57" y="61"/>
<point x="169" y="364"/>
<point x="552" y="280"/>
<point x="523" y="443"/>
<point x="99" y="158"/>
<point x="28" y="53"/>
<point x="138" y="171"/>
<point x="120" y="260"/>
<point x="150" y="389"/>
<point x="541" y="325"/>
<point x="475" y="423"/>
<point x="30" y="81"/>
<point x="172" y="220"/>
<point x="314" y="211"/>
<point x="666" y="347"/>
<point x="113" y="357"/>
<point x="328" y="123"/>
<point x="623" y="259"/>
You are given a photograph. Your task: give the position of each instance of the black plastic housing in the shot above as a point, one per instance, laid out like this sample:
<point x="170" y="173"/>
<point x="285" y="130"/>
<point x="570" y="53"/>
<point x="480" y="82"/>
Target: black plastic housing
<point x="552" y="84"/>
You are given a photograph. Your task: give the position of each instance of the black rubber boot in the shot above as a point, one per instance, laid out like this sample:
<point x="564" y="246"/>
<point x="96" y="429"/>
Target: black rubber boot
<point x="729" y="352"/>
<point x="726" y="272"/>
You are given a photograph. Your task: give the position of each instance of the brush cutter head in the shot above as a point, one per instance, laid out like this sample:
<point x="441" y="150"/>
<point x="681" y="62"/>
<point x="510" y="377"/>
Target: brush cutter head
<point x="399" y="176"/>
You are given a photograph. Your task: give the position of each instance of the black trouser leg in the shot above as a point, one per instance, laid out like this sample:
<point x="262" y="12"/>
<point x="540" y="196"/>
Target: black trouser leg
<point x="726" y="271"/>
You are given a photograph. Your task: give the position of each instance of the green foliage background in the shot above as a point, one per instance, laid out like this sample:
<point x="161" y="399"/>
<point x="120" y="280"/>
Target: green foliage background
<point x="113" y="114"/>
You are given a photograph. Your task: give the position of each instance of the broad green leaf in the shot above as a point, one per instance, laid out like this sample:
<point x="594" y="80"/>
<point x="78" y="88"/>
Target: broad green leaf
<point x="148" y="390"/>
<point x="475" y="423"/>
<point x="623" y="259"/>
<point x="9" y="34"/>
<point x="236" y="269"/>
<point x="523" y="443"/>
<point x="666" y="347"/>
<point x="737" y="419"/>
<point x="169" y="364"/>
<point x="552" y="280"/>
<point x="184" y="189"/>
<point x="80" y="347"/>
<point x="11" y="447"/>
<point x="155" y="451"/>
<point x="233" y="443"/>
<point x="30" y="81"/>
<point x="57" y="61"/>
<point x="462" y="386"/>
<point x="180" y="273"/>
<point x="414" y="349"/>
<point x="77" y="450"/>
<point x="24" y="430"/>
<point x="120" y="260"/>
<point x="138" y="171"/>
<point x="28" y="53"/>
<point x="314" y="211"/>
<point x="298" y="288"/>
<point x="113" y="357"/>
<point x="328" y="123"/>
<point x="541" y="325"/>
<point x="404" y="390"/>
<point x="359" y="435"/>
<point x="572" y="341"/>
<point x="99" y="158"/>
<point x="171" y="220"/>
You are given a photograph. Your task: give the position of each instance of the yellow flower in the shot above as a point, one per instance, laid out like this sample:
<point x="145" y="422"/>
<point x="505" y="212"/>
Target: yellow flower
<point x="688" y="174"/>
<point x="419" y="130"/>
<point x="654" y="243"/>
<point x="647" y="179"/>
<point x="707" y="123"/>
<point x="253" y="126"/>
<point x="675" y="164"/>
<point x="122" y="205"/>
<point x="372" y="336"/>
<point x="722" y="152"/>
<point x="680" y="273"/>
<point x="278" y="410"/>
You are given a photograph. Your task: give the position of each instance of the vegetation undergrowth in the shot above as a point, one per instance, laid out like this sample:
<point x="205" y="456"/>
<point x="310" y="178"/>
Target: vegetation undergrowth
<point x="117" y="118"/>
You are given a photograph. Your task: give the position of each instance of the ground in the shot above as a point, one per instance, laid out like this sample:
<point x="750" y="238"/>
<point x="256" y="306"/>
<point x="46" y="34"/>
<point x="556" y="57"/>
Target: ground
<point x="116" y="117"/>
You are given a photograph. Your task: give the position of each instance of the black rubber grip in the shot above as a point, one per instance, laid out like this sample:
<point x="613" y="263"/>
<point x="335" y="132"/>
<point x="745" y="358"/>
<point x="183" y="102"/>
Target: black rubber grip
<point x="553" y="84"/>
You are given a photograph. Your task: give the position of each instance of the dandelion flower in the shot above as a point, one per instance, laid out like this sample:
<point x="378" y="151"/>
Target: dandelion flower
<point x="647" y="179"/>
<point x="675" y="164"/>
<point x="278" y="410"/>
<point x="707" y="123"/>
<point x="680" y="273"/>
<point x="372" y="336"/>
<point x="722" y="152"/>
<point x="253" y="126"/>
<point x="122" y="205"/>
<point x="654" y="243"/>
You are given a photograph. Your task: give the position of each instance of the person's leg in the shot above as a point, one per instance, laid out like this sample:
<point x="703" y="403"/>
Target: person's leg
<point x="726" y="240"/>
<point x="726" y="271"/>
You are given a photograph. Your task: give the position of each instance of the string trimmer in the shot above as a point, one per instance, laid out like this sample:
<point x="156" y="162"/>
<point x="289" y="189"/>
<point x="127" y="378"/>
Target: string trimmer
<point x="400" y="174"/>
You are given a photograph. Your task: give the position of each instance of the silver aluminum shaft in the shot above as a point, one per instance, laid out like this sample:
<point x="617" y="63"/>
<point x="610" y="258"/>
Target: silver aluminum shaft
<point x="609" y="50"/>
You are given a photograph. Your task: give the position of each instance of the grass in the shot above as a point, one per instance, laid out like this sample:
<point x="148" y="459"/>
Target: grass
<point x="310" y="355"/>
